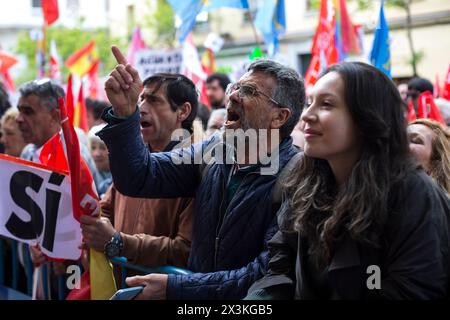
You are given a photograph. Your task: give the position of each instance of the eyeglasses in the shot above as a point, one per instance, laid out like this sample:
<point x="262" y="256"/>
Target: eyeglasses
<point x="248" y="91"/>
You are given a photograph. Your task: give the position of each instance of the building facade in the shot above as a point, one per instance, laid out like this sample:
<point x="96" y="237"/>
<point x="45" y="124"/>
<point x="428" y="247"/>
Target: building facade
<point x="430" y="30"/>
<point x="26" y="15"/>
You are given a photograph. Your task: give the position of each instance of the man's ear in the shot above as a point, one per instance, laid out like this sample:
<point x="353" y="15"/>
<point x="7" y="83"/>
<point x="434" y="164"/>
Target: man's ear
<point x="279" y="117"/>
<point x="184" y="111"/>
<point x="54" y="114"/>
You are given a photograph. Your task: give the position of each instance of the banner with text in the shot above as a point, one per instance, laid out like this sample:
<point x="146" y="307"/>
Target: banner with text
<point x="36" y="208"/>
<point x="148" y="62"/>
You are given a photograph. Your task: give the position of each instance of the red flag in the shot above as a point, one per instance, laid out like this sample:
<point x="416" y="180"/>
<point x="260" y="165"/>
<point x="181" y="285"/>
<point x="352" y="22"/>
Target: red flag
<point x="350" y="40"/>
<point x="446" y="93"/>
<point x="84" y="293"/>
<point x="80" y="113"/>
<point x="324" y="36"/>
<point x="411" y="112"/>
<point x="84" y="197"/>
<point x="203" y="96"/>
<point x="6" y="61"/>
<point x="313" y="72"/>
<point x="437" y="87"/>
<point x="84" y="201"/>
<point x="51" y="11"/>
<point x="324" y="51"/>
<point x="8" y="81"/>
<point x="94" y="83"/>
<point x="69" y="97"/>
<point x="53" y="155"/>
<point x="428" y="109"/>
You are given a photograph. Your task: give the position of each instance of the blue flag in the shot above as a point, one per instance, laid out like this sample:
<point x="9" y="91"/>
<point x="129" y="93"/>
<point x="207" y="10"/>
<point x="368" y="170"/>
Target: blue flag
<point x="215" y="4"/>
<point x="187" y="11"/>
<point x="271" y="21"/>
<point x="380" y="56"/>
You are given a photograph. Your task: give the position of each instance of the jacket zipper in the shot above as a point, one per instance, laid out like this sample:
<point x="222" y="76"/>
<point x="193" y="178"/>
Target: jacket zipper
<point x="216" y="243"/>
<point x="222" y="219"/>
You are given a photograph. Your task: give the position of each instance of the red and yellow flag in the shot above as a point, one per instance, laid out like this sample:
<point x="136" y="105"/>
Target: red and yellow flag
<point x="81" y="62"/>
<point x="208" y="62"/>
<point x="80" y="113"/>
<point x="98" y="282"/>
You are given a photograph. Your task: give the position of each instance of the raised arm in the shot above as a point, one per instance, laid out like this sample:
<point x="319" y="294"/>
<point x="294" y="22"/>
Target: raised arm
<point x="136" y="172"/>
<point x="123" y="86"/>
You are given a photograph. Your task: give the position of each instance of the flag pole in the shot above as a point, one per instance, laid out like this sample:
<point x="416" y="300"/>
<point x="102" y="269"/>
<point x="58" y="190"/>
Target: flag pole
<point x="255" y="34"/>
<point x="44" y="47"/>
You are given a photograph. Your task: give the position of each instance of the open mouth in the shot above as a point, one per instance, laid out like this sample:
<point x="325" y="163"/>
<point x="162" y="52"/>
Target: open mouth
<point x="145" y="124"/>
<point x="233" y="118"/>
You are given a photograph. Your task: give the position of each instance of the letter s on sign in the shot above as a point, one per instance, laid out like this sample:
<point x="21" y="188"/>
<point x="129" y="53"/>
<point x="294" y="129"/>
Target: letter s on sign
<point x="20" y="181"/>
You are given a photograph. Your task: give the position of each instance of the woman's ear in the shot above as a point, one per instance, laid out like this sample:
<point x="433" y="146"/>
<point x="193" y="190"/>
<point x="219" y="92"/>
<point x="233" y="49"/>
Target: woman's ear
<point x="279" y="117"/>
<point x="184" y="111"/>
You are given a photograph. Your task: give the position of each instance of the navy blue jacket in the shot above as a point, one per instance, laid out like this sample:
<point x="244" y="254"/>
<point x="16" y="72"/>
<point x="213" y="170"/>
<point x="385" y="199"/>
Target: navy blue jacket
<point x="226" y="257"/>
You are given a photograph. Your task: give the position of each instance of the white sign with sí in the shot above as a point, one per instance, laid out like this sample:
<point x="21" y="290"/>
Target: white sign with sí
<point x="36" y="208"/>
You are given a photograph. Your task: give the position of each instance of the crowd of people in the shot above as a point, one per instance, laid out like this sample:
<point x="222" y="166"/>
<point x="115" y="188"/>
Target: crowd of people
<point x="356" y="186"/>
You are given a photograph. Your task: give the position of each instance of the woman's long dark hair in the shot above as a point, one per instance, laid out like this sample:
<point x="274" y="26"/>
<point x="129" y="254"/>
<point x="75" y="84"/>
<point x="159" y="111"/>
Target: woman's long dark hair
<point x="320" y="210"/>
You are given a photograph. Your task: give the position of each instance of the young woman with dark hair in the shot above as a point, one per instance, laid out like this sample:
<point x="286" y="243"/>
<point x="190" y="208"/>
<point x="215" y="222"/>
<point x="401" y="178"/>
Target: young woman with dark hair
<point x="360" y="220"/>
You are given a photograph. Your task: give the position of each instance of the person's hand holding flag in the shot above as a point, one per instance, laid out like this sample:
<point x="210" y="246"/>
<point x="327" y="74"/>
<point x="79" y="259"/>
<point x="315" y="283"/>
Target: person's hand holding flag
<point x="97" y="231"/>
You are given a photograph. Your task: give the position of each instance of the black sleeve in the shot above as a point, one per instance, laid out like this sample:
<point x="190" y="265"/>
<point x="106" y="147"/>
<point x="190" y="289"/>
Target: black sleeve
<point x="279" y="282"/>
<point x="416" y="264"/>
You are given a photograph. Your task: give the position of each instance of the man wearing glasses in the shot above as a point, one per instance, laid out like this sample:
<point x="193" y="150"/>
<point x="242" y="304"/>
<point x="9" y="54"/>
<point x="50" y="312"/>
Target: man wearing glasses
<point x="234" y="216"/>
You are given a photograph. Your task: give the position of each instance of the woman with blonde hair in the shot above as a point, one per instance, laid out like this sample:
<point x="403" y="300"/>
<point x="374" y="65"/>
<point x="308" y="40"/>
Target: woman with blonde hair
<point x="429" y="142"/>
<point x="10" y="134"/>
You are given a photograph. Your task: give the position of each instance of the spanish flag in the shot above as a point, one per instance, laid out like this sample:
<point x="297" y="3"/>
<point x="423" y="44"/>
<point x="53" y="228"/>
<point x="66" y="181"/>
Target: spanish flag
<point x="80" y="113"/>
<point x="208" y="62"/>
<point x="81" y="62"/>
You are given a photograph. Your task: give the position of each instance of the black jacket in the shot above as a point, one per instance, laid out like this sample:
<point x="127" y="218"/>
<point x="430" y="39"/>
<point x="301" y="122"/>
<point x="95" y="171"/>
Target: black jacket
<point x="228" y="254"/>
<point x="413" y="259"/>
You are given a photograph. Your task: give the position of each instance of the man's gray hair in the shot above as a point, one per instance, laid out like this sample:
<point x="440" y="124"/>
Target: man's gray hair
<point x="289" y="92"/>
<point x="47" y="91"/>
